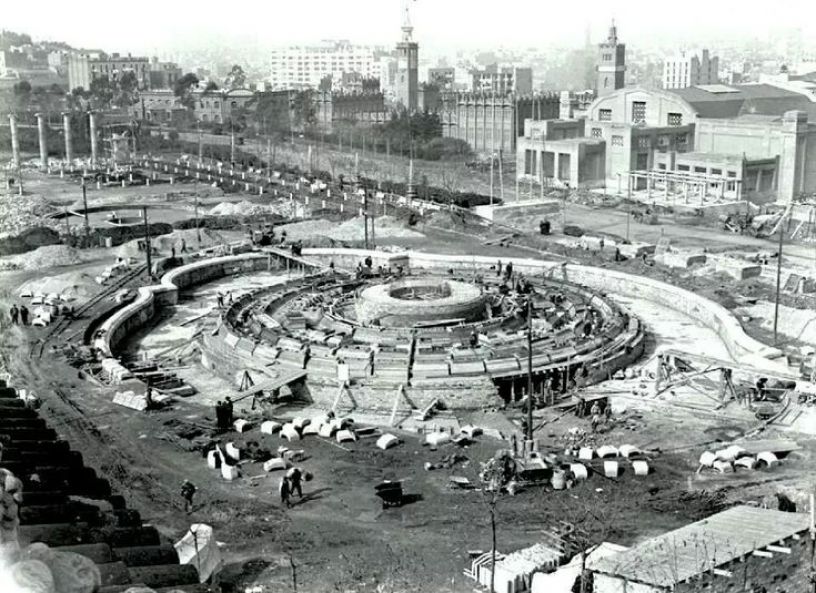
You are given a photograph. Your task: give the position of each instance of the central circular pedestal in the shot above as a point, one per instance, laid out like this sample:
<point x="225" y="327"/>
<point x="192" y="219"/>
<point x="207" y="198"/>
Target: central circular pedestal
<point x="418" y="302"/>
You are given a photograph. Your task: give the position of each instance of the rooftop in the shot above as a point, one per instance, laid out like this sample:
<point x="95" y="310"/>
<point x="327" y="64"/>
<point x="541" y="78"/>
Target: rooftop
<point x="733" y="100"/>
<point x="677" y="556"/>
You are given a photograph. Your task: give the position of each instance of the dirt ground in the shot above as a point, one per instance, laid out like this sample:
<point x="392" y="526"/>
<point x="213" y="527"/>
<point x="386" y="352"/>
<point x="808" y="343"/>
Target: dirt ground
<point x="338" y="538"/>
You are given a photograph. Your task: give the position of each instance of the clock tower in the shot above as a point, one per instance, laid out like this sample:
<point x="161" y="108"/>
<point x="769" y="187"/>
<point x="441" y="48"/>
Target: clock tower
<point x="407" y="79"/>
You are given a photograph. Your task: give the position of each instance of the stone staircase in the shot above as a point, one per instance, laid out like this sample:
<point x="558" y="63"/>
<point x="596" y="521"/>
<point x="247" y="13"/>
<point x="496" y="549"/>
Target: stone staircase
<point x="69" y="507"/>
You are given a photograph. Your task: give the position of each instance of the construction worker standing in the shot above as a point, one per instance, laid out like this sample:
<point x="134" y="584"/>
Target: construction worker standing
<point x="188" y="491"/>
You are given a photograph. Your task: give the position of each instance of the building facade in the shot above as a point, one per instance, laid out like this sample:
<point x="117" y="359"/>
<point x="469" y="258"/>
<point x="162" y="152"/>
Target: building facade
<point x="502" y="80"/>
<point x="334" y="109"/>
<point x="444" y="78"/>
<point x="303" y="67"/>
<point x="163" y="75"/>
<point x="490" y="123"/>
<point x="84" y="68"/>
<point x="611" y="67"/>
<point x="216" y="107"/>
<point x="697" y="144"/>
<point x="687" y="69"/>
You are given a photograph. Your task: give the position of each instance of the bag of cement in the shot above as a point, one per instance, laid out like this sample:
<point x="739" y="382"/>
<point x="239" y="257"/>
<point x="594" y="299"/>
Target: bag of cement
<point x="276" y="463"/>
<point x="289" y="432"/>
<point x="199" y="548"/>
<point x="345" y="435"/>
<point x="242" y="425"/>
<point x="233" y="451"/>
<point x="270" y="427"/>
<point x="387" y="441"/>
<point x="229" y="472"/>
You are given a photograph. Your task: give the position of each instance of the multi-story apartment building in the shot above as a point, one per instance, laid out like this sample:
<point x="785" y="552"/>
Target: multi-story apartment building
<point x="84" y="68"/>
<point x="301" y="67"/>
<point x="686" y="69"/>
<point x="503" y="80"/>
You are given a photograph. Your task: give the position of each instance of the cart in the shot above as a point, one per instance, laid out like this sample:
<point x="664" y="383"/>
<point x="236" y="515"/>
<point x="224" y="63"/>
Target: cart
<point x="390" y="493"/>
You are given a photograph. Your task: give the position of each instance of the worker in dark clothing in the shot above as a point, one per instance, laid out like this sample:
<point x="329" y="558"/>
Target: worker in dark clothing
<point x="228" y="411"/>
<point x="499" y="269"/>
<point x="219" y="415"/>
<point x="295" y="477"/>
<point x="149" y="397"/>
<point x="368" y="261"/>
<point x="24" y="315"/>
<point x="285" y="492"/>
<point x="188" y="491"/>
<point x="14" y="313"/>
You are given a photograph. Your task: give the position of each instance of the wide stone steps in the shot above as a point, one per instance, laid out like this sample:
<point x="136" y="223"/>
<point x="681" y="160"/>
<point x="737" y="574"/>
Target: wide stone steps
<point x="69" y="507"/>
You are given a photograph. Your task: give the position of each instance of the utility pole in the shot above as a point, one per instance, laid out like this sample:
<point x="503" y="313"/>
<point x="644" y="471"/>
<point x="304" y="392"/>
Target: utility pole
<point x="198" y="228"/>
<point x="492" y="158"/>
<point x="501" y="176"/>
<point x="778" y="279"/>
<point x="85" y="206"/>
<point x="147" y="242"/>
<point x="365" y="216"/>
<point x="530" y="368"/>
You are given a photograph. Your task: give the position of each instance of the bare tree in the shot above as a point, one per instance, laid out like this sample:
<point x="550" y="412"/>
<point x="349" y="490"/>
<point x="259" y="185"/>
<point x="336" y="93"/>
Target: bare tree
<point x="449" y="180"/>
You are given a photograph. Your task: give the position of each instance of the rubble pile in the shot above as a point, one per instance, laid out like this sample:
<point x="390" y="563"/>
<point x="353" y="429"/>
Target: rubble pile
<point x="23" y="212"/>
<point x="385" y="227"/>
<point x="46" y="256"/>
<point x="246" y="208"/>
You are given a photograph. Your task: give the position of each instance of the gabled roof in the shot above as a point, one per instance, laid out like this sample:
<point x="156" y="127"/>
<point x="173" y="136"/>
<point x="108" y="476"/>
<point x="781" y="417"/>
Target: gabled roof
<point x="677" y="556"/>
<point x="713" y="101"/>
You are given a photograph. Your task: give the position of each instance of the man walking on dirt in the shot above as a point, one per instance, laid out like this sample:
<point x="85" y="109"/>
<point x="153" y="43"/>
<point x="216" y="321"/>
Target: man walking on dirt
<point x="284" y="492"/>
<point x="14" y="313"/>
<point x="23" y="315"/>
<point x="295" y="477"/>
<point x="188" y="491"/>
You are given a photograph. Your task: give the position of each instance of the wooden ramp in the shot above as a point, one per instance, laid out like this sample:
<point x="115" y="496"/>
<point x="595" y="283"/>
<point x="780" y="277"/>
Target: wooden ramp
<point x="274" y="383"/>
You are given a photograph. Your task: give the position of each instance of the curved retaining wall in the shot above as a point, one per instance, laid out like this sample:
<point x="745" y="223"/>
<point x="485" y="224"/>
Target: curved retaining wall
<point x="139" y="312"/>
<point x="741" y="346"/>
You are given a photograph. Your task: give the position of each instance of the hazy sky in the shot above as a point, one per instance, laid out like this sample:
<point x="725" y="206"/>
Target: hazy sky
<point x="148" y="25"/>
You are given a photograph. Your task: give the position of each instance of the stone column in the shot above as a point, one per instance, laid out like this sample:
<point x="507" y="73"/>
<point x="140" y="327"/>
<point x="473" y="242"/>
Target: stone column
<point x="758" y="187"/>
<point x="43" y="140"/>
<point x="92" y="128"/>
<point x="15" y="141"/>
<point x="69" y="144"/>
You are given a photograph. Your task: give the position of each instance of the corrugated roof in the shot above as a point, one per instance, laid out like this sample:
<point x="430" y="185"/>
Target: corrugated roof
<point x="694" y="549"/>
<point x="764" y="99"/>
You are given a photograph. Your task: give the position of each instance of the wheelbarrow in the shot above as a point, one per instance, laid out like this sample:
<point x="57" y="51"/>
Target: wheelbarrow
<point x="390" y="493"/>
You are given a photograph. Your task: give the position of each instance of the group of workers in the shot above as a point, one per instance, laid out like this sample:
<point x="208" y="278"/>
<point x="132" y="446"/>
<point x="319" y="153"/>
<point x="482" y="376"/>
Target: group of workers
<point x="224" y="414"/>
<point x="19" y="316"/>
<point x="291" y="483"/>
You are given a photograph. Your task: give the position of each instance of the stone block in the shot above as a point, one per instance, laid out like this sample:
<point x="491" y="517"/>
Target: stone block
<point x="680" y="260"/>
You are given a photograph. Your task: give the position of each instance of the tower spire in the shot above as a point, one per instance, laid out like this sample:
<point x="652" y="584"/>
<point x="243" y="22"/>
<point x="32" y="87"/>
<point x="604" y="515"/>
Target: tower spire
<point x="613" y="33"/>
<point x="407" y="27"/>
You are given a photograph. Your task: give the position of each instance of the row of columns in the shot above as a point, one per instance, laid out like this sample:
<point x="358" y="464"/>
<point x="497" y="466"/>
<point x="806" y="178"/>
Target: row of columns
<point x="42" y="133"/>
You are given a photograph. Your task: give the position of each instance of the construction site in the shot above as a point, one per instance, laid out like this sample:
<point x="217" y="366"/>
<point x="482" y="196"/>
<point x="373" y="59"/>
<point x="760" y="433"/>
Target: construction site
<point x="530" y="396"/>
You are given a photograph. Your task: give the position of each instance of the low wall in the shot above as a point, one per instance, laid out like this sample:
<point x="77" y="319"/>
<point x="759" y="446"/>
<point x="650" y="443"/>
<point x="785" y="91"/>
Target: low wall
<point x="139" y="312"/>
<point x="742" y="347"/>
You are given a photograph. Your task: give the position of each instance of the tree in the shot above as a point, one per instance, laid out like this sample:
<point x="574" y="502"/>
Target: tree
<point x="236" y="79"/>
<point x="22" y="95"/>
<point x="210" y="88"/>
<point x="183" y="89"/>
<point x="101" y="93"/>
<point x="304" y="112"/>
<point x="127" y="90"/>
<point x="496" y="474"/>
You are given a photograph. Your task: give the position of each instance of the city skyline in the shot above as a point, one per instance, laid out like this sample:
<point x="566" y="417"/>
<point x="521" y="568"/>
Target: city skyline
<point x="85" y="24"/>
